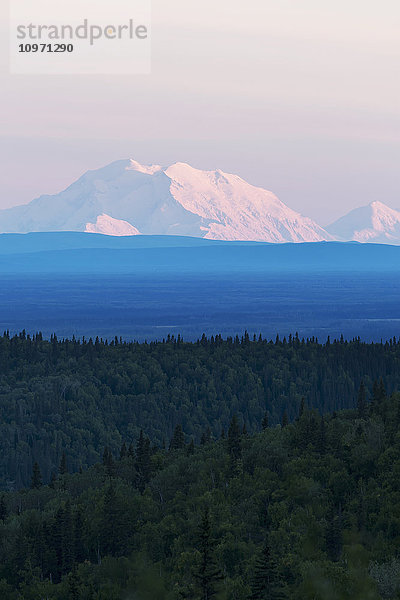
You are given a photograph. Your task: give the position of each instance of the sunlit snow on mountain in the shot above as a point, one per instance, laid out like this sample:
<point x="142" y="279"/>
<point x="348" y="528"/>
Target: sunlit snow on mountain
<point x="125" y="198"/>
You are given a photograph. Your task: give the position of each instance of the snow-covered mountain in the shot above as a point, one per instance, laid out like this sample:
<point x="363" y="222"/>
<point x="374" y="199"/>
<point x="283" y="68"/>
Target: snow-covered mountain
<point x="375" y="223"/>
<point x="109" y="226"/>
<point x="127" y="198"/>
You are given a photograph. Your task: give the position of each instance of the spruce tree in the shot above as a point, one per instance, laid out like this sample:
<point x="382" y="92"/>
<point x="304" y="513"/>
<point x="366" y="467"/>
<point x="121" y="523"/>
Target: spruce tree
<point x="110" y="538"/>
<point x="208" y="575"/>
<point x="62" y="541"/>
<point x="74" y="592"/>
<point x="234" y="442"/>
<point x="142" y="462"/>
<point x="206" y="437"/>
<point x="375" y="394"/>
<point x="36" y="481"/>
<point x="321" y="440"/>
<point x="190" y="448"/>
<point x="3" y="508"/>
<point x="267" y="583"/>
<point x="178" y="439"/>
<point x="302" y="408"/>
<point x="63" y="469"/>
<point x="333" y="537"/>
<point x="131" y="451"/>
<point x="378" y="396"/>
<point x="381" y="389"/>
<point x="108" y="461"/>
<point x="265" y="421"/>
<point x="79" y="547"/>
<point x="67" y="538"/>
<point x="361" y="401"/>
<point x="285" y="420"/>
<point x="123" y="453"/>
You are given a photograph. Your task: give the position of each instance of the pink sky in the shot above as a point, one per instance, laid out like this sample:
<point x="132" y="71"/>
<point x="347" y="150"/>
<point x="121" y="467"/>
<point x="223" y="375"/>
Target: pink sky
<point x="300" y="97"/>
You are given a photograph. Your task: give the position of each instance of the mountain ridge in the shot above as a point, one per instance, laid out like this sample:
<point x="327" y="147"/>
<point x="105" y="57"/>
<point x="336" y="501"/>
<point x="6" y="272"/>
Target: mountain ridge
<point x="177" y="200"/>
<point x="126" y="198"/>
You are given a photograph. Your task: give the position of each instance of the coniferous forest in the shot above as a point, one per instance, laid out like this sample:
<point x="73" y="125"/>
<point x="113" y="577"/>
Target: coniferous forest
<point x="236" y="469"/>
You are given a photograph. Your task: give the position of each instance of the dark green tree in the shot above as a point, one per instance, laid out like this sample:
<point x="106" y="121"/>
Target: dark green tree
<point x="178" y="439"/>
<point x="333" y="537"/>
<point x="382" y="389"/>
<point x="267" y="581"/>
<point x="62" y="540"/>
<point x="190" y="448"/>
<point x="321" y="439"/>
<point x="206" y="437"/>
<point x="79" y="546"/>
<point x="131" y="451"/>
<point x="3" y="509"/>
<point x="74" y="590"/>
<point x="265" y="422"/>
<point x="63" y="469"/>
<point x="234" y="441"/>
<point x="123" y="453"/>
<point x="208" y="574"/>
<point x="142" y="462"/>
<point x="378" y="396"/>
<point x="68" y="538"/>
<point x="36" y="481"/>
<point x="302" y="408"/>
<point x="108" y="461"/>
<point x="361" y="401"/>
<point x="110" y="534"/>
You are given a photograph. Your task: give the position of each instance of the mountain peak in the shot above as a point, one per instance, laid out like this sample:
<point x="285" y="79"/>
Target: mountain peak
<point x="134" y="165"/>
<point x="377" y="205"/>
<point x="375" y="222"/>
<point x="178" y="200"/>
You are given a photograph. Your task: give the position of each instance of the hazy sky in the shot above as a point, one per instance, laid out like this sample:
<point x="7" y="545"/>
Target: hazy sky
<point x="299" y="96"/>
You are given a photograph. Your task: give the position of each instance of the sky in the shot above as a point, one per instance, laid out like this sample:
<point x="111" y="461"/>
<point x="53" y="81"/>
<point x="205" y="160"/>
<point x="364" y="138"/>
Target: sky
<point x="301" y="97"/>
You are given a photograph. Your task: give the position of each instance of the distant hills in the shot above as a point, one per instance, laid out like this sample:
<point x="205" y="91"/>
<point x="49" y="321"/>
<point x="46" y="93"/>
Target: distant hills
<point x="74" y="252"/>
<point x="126" y="198"/>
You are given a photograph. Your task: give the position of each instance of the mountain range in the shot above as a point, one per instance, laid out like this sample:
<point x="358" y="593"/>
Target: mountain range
<point x="126" y="198"/>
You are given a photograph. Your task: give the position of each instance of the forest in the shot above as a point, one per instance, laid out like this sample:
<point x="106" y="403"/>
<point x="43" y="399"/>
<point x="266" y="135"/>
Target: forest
<point x="79" y="396"/>
<point x="307" y="510"/>
<point x="226" y="469"/>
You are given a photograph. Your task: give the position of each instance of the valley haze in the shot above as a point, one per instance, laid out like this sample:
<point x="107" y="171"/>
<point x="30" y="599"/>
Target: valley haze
<point x="146" y="287"/>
